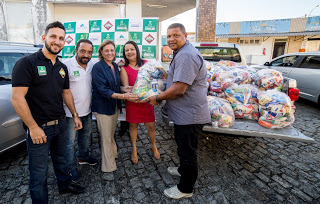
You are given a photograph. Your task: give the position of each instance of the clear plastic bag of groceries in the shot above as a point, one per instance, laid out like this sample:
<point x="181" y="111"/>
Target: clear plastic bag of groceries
<point x="221" y="112"/>
<point x="252" y="71"/>
<point x="212" y="69"/>
<point x="151" y="80"/>
<point x="243" y="99"/>
<point x="269" y="79"/>
<point x="233" y="76"/>
<point x="275" y="109"/>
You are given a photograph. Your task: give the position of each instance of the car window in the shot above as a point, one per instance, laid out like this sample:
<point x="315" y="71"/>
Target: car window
<point x="7" y="62"/>
<point x="312" y="62"/>
<point x="285" y="61"/>
<point x="220" y="53"/>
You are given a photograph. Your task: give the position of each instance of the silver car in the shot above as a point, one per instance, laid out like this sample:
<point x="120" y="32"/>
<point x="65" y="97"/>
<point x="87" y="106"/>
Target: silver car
<point x="11" y="130"/>
<point x="304" y="67"/>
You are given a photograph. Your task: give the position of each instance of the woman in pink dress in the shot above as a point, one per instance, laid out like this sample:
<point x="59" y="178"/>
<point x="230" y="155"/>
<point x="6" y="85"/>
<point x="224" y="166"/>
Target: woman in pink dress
<point x="137" y="112"/>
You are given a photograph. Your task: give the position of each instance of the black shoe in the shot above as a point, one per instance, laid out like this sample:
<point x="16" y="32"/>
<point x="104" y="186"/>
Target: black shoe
<point x="73" y="189"/>
<point x="90" y="161"/>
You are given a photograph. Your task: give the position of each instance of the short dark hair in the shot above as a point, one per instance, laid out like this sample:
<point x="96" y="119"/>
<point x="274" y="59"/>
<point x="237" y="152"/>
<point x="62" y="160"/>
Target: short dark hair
<point x="177" y="25"/>
<point x="83" y="41"/>
<point x="56" y="24"/>
<point x="104" y="43"/>
<point x="139" y="60"/>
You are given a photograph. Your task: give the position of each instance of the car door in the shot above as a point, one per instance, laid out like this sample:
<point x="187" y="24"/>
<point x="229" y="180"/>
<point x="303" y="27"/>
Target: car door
<point x="284" y="64"/>
<point x="307" y="75"/>
<point x="11" y="130"/>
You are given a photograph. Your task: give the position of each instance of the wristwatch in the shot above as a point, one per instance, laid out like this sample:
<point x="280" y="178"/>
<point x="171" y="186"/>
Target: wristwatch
<point x="158" y="100"/>
<point x="75" y="114"/>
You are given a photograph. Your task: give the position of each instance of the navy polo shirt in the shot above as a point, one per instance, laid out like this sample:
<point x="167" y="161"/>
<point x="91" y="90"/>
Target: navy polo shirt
<point x="46" y="83"/>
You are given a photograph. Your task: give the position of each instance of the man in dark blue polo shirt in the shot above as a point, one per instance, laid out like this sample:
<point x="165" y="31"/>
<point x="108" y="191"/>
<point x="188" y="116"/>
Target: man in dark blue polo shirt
<point x="40" y="84"/>
<point x="187" y="106"/>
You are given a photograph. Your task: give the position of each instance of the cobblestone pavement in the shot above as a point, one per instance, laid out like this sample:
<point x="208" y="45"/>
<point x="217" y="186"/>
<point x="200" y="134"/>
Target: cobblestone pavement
<point x="232" y="169"/>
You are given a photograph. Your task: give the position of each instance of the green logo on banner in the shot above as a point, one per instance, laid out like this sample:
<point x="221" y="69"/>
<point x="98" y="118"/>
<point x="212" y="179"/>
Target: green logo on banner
<point x="76" y="73"/>
<point x="70" y="27"/>
<point x="68" y="51"/>
<point x="107" y="36"/>
<point x="150" y="25"/>
<point x="80" y="36"/>
<point x="136" y="37"/>
<point x="122" y="25"/>
<point x="42" y="70"/>
<point x="119" y="50"/>
<point x="149" y="52"/>
<point x="95" y="26"/>
<point x="95" y="53"/>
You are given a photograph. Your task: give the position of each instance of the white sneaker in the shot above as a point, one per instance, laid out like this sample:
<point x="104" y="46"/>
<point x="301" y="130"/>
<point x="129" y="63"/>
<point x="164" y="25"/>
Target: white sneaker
<point x="174" y="193"/>
<point x="173" y="171"/>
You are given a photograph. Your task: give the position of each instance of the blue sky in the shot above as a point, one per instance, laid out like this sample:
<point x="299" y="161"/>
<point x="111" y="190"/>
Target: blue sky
<point x="250" y="10"/>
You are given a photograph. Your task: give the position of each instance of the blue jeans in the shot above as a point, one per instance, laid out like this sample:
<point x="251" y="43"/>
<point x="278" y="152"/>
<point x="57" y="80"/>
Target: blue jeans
<point x="84" y="135"/>
<point x="38" y="161"/>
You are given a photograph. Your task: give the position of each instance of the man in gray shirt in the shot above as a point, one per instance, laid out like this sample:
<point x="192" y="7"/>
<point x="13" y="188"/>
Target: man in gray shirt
<point x="187" y="106"/>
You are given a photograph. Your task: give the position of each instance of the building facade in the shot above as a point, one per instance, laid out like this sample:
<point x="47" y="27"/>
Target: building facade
<point x="262" y="41"/>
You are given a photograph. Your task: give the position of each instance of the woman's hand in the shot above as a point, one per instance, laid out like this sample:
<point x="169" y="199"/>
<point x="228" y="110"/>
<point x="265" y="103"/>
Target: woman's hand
<point x="126" y="89"/>
<point x="131" y="97"/>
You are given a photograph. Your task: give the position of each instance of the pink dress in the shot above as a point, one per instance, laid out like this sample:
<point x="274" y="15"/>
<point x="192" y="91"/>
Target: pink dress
<point x="137" y="112"/>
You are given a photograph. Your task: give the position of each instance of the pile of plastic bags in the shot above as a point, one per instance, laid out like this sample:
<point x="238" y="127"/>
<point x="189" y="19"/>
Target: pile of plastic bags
<point x="151" y="80"/>
<point x="275" y="109"/>
<point x="221" y="112"/>
<point x="250" y="95"/>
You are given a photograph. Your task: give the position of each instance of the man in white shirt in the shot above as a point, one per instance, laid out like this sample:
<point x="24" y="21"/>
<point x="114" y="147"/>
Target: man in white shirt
<point x="79" y="69"/>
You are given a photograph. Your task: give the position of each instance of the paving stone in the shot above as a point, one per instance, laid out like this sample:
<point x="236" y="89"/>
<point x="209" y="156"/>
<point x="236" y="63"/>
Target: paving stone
<point x="301" y="195"/>
<point x="281" y="181"/>
<point x="310" y="190"/>
<point x="291" y="180"/>
<point x="278" y="188"/>
<point x="263" y="177"/>
<point x="249" y="167"/>
<point x="220" y="198"/>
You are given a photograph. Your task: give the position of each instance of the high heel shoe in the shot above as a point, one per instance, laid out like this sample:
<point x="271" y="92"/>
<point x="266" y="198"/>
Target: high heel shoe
<point x="155" y="152"/>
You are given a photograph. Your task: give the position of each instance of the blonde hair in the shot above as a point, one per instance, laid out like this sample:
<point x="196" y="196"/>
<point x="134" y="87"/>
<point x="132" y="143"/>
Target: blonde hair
<point x="103" y="44"/>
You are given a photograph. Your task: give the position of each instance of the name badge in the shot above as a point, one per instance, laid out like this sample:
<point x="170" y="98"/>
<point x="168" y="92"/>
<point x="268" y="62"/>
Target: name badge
<point x="42" y="71"/>
<point x="76" y="74"/>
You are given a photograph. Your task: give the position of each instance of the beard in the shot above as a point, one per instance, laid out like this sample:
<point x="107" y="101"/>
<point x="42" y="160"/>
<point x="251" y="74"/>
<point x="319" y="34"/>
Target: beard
<point x="50" y="50"/>
<point x="81" y="59"/>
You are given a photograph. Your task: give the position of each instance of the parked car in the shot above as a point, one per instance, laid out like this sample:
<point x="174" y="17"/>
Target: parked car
<point x="11" y="130"/>
<point x="304" y="67"/>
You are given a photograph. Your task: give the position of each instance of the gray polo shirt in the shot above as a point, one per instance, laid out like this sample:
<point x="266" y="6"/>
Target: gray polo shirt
<point x="188" y="67"/>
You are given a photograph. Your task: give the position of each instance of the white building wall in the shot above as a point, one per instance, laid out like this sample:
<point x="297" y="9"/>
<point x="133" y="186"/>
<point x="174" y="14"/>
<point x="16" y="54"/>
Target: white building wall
<point x="73" y="12"/>
<point x="19" y="21"/>
<point x="133" y="9"/>
<point x="254" y="53"/>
